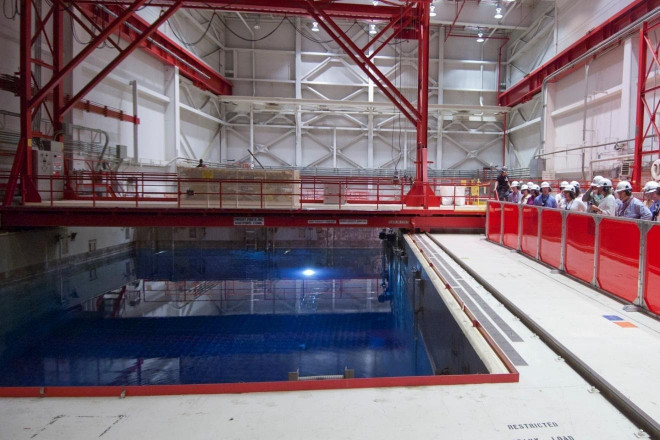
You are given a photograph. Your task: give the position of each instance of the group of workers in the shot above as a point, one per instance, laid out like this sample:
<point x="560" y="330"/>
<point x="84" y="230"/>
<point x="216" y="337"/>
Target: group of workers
<point x="599" y="198"/>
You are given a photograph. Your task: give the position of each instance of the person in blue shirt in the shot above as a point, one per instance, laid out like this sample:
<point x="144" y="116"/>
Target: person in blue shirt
<point x="652" y="192"/>
<point x="630" y="207"/>
<point x="545" y="199"/>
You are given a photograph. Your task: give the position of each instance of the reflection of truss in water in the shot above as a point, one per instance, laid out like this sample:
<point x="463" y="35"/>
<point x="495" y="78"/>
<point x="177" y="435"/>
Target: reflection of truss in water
<point x="232" y="297"/>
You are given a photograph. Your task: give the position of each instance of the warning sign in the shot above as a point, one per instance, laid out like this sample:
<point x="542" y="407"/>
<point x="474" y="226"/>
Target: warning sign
<point x="248" y="221"/>
<point x="353" y="221"/>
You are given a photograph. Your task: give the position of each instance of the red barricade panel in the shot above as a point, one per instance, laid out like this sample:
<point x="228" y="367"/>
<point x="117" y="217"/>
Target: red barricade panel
<point x="652" y="289"/>
<point x="580" y="246"/>
<point x="618" y="258"/>
<point x="510" y="226"/>
<point x="494" y="221"/>
<point x="551" y="237"/>
<point x="530" y="231"/>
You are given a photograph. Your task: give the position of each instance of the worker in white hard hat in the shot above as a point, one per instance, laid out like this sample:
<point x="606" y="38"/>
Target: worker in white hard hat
<point x="575" y="184"/>
<point x="652" y="193"/>
<point x="608" y="204"/>
<point x="572" y="202"/>
<point x="561" y="199"/>
<point x="526" y="194"/>
<point x="502" y="187"/>
<point x="545" y="199"/>
<point x="535" y="191"/>
<point x="630" y="207"/>
<point x="593" y="196"/>
<point x="649" y="192"/>
<point x="514" y="195"/>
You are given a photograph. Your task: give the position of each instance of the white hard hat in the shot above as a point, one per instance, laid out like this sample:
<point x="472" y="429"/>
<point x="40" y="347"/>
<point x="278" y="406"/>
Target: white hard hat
<point x="535" y="187"/>
<point x="515" y="183"/>
<point x="650" y="187"/>
<point x="530" y="184"/>
<point x="563" y="185"/>
<point x="605" y="182"/>
<point x="597" y="180"/>
<point x="569" y="188"/>
<point x="545" y="185"/>
<point x="576" y="184"/>
<point x="524" y="187"/>
<point x="623" y="186"/>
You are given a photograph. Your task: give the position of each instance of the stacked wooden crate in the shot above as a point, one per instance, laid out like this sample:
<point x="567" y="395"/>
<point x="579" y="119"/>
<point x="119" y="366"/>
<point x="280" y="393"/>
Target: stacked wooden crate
<point x="239" y="188"/>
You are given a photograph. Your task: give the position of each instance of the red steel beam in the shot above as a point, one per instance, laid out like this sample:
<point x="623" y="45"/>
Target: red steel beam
<point x="84" y="53"/>
<point x="163" y="49"/>
<point x="122" y="56"/>
<point x="455" y="20"/>
<point x="529" y="86"/>
<point x="363" y="62"/>
<point x="46" y="216"/>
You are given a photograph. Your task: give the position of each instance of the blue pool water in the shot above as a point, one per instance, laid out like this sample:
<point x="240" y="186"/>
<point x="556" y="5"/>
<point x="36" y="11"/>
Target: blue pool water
<point x="193" y="316"/>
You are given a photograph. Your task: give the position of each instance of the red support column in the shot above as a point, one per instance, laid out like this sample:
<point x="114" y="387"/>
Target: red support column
<point x="421" y="193"/>
<point x="639" y="116"/>
<point x="22" y="166"/>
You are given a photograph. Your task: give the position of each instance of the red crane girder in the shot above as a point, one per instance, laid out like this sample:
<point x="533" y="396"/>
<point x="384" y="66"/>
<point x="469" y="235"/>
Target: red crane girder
<point x="529" y="86"/>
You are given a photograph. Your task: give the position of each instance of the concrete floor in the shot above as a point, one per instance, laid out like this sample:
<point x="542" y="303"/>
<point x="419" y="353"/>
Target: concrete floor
<point x="550" y="402"/>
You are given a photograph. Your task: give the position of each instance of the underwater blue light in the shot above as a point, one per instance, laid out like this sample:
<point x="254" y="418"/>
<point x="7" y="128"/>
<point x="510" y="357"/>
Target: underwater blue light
<point x="308" y="272"/>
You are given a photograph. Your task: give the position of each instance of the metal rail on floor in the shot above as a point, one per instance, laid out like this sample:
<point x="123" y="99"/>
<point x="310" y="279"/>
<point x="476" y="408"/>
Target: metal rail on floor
<point x="614" y="396"/>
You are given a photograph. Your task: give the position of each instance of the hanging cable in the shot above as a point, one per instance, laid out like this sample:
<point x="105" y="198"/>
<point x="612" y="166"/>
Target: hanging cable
<point x="251" y="40"/>
<point x="13" y="11"/>
<point x="201" y="37"/>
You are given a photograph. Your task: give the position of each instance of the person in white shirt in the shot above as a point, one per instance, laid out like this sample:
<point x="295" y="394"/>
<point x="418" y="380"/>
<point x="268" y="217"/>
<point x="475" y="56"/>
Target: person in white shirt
<point x="607" y="205"/>
<point x="572" y="202"/>
<point x="526" y="194"/>
<point x="561" y="199"/>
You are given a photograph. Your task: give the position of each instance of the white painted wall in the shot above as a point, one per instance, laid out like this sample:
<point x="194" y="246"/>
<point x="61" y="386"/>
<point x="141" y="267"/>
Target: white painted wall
<point x="609" y="89"/>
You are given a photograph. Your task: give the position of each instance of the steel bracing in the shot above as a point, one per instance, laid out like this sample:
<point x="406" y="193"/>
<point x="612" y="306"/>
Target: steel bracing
<point x="405" y="19"/>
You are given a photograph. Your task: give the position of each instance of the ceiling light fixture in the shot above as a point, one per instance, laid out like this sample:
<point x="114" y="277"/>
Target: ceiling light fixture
<point x="372" y="29"/>
<point x="498" y="13"/>
<point x="315" y="27"/>
<point x="433" y="14"/>
<point x="375" y="2"/>
<point x="481" y="37"/>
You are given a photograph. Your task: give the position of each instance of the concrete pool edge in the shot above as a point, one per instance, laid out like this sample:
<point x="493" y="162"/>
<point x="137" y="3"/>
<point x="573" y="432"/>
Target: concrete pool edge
<point x="490" y="343"/>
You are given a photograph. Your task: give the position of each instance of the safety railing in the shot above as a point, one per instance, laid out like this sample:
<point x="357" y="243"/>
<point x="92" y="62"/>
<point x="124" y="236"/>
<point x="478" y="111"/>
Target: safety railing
<point x="149" y="189"/>
<point x="616" y="255"/>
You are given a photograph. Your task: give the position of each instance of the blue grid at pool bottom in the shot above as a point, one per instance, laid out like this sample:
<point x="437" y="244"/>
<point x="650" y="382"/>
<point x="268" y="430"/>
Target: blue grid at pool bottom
<point x="224" y="349"/>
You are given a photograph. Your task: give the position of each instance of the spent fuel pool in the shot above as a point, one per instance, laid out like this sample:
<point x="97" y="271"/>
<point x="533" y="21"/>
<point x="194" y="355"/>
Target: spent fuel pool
<point x="217" y="315"/>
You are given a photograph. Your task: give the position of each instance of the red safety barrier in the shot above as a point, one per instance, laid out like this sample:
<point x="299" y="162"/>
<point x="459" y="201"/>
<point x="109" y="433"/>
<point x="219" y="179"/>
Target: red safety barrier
<point x="652" y="289"/>
<point x="494" y="232"/>
<point x="510" y="226"/>
<point x="618" y="258"/>
<point x="550" y="251"/>
<point x="580" y="246"/>
<point x="530" y="231"/>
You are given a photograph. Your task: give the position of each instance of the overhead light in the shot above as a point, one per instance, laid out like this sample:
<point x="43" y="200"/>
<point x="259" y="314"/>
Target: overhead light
<point x="481" y="37"/>
<point x="433" y="14"/>
<point x="315" y="27"/>
<point x="257" y="27"/>
<point x="372" y="29"/>
<point x="498" y="13"/>
<point x="375" y="2"/>
<point x="308" y="272"/>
